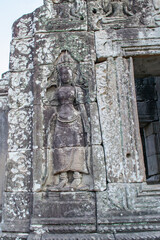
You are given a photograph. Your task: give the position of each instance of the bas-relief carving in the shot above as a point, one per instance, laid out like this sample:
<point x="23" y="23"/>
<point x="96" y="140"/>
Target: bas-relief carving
<point x="119" y="8"/>
<point x="156" y="4"/>
<point x="68" y="130"/>
<point x="156" y="15"/>
<point x="117" y="14"/>
<point x="105" y="13"/>
<point x="67" y="144"/>
<point x="67" y="15"/>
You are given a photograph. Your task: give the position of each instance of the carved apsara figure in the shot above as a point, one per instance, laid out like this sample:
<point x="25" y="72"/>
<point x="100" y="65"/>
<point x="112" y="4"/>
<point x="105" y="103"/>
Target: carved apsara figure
<point x="71" y="128"/>
<point x="117" y="8"/>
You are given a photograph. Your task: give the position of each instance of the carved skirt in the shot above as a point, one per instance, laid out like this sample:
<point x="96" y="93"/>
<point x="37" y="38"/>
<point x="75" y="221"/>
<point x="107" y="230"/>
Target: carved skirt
<point x="69" y="151"/>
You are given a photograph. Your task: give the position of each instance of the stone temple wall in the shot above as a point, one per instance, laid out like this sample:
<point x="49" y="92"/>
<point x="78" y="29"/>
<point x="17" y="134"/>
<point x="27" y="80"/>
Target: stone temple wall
<point x="72" y="163"/>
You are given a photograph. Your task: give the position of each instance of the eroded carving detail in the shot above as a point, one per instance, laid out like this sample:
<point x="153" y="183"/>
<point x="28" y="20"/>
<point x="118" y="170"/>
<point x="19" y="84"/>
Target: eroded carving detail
<point x="117" y="8"/>
<point x="68" y="129"/>
<point x="67" y="13"/>
<point x="156" y="4"/>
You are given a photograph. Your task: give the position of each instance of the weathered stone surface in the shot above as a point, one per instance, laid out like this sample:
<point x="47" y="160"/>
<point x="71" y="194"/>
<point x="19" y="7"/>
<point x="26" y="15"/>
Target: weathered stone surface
<point x="21" y="54"/>
<point x="99" y="168"/>
<point x="20" y="91"/>
<point x="3" y="149"/>
<point x="104" y="97"/>
<point x="129" y="41"/>
<point x="137" y="236"/>
<point x="45" y="83"/>
<point x="72" y="237"/>
<point x="17" y="210"/>
<point x="13" y="236"/>
<point x="3" y="134"/>
<point x="96" y="137"/>
<point x="45" y="108"/>
<point x="120" y="14"/>
<point x="20" y="129"/>
<point x="23" y="27"/>
<point x="130" y="204"/>
<point x="80" y="45"/>
<point x="69" y="211"/>
<point x="157" y="12"/>
<point x="18" y="171"/>
<point x="61" y="16"/>
<point x="112" y="100"/>
<point x="130" y="228"/>
<point x="39" y="168"/>
<point x="42" y="95"/>
<point x="101" y="37"/>
<point x="88" y="80"/>
<point x="38" y="129"/>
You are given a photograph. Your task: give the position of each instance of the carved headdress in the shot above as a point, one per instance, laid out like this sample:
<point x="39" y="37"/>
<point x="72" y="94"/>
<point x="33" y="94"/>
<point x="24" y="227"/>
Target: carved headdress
<point x="65" y="59"/>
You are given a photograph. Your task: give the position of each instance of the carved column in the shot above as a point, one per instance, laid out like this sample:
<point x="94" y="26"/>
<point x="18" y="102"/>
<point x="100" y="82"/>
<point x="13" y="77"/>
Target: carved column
<point x="3" y="133"/>
<point x="17" y="195"/>
<point x="120" y="130"/>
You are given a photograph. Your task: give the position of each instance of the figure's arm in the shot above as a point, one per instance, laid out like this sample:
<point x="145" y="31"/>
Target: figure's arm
<point x="51" y="129"/>
<point x="127" y="10"/>
<point x="85" y="122"/>
<point x="82" y="109"/>
<point x="107" y="7"/>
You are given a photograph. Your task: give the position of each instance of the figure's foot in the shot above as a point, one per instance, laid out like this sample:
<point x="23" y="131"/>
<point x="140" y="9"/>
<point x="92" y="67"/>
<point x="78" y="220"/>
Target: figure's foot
<point x="83" y="187"/>
<point x="76" y="183"/>
<point x="77" y="180"/>
<point x="62" y="183"/>
<point x="63" y="180"/>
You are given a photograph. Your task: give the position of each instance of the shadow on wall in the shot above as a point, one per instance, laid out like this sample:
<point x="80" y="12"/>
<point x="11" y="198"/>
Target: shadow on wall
<point x="147" y="83"/>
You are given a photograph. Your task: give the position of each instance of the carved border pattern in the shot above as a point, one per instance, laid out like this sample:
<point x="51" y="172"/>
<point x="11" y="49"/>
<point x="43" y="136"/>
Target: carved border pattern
<point x="139" y="236"/>
<point x="135" y="236"/>
<point x="70" y="228"/>
<point x="129" y="228"/>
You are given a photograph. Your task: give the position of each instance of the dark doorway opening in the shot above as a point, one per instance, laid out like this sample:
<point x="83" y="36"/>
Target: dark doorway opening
<point x="147" y="83"/>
